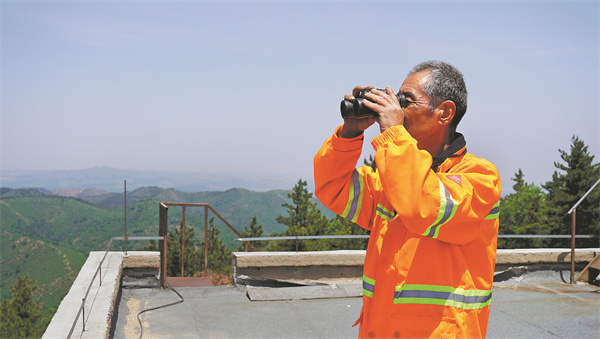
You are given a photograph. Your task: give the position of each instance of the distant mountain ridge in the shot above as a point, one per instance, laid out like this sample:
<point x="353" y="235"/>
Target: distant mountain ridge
<point x="48" y="235"/>
<point x="237" y="205"/>
<point x="75" y="193"/>
<point x="111" y="180"/>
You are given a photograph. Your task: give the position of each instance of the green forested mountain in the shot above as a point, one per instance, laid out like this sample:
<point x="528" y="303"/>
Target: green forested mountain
<point x="49" y="237"/>
<point x="88" y="224"/>
<point x="53" y="267"/>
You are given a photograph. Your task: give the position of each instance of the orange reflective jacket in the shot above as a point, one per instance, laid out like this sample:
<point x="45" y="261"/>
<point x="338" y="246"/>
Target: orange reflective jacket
<point x="430" y="261"/>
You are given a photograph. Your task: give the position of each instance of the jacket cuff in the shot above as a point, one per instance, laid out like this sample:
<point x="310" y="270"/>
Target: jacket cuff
<point x="389" y="135"/>
<point x="346" y="144"/>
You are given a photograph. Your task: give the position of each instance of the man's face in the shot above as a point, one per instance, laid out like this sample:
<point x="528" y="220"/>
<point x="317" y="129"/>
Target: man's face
<point x="419" y="121"/>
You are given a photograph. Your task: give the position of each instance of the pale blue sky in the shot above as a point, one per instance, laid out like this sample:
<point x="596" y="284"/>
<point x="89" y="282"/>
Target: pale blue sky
<point x="255" y="87"/>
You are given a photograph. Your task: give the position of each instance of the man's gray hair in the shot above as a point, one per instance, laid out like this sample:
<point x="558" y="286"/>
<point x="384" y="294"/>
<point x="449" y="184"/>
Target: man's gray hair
<point x="445" y="82"/>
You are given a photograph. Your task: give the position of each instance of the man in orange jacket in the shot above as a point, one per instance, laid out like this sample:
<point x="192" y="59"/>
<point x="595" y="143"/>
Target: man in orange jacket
<point x="431" y="207"/>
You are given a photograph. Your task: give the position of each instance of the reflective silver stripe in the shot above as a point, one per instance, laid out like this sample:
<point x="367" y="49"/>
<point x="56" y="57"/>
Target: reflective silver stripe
<point x="385" y="213"/>
<point x="368" y="286"/>
<point x="442" y="295"/>
<point x="355" y="195"/>
<point x="495" y="212"/>
<point x="446" y="212"/>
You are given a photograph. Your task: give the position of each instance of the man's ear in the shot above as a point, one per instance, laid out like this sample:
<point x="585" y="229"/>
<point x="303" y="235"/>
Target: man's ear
<point x="447" y="109"/>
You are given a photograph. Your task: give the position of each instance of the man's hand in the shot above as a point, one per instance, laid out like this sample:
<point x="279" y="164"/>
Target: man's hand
<point x="388" y="107"/>
<point x="385" y="104"/>
<point x="354" y="126"/>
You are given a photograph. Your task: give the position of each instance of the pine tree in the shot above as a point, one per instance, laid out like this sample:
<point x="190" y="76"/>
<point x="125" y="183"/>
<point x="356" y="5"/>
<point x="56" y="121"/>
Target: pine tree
<point x="523" y="212"/>
<point x="21" y="316"/>
<point x="343" y="226"/>
<point x="570" y="182"/>
<point x="371" y="162"/>
<point x="254" y="231"/>
<point x="304" y="219"/>
<point x="192" y="256"/>
<point x="519" y="181"/>
<point x="219" y="257"/>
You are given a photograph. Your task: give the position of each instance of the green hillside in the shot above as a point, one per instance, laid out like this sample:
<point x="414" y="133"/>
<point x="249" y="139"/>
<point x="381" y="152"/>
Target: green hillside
<point x="53" y="267"/>
<point x="64" y="221"/>
<point x="49" y="237"/>
<point x="89" y="224"/>
<point x="236" y="205"/>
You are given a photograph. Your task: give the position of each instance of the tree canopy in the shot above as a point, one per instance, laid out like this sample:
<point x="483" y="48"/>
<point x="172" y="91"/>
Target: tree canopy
<point x="21" y="315"/>
<point x="570" y="181"/>
<point x="306" y="219"/>
<point x="544" y="210"/>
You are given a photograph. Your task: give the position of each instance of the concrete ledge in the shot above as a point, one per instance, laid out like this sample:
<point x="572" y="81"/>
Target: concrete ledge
<point x="101" y="299"/>
<point x="332" y="265"/>
<point x="298" y="266"/>
<point x="544" y="255"/>
<point x="298" y="259"/>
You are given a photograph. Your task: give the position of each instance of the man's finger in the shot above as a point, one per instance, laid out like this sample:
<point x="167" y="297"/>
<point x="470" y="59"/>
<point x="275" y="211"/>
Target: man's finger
<point x="391" y="93"/>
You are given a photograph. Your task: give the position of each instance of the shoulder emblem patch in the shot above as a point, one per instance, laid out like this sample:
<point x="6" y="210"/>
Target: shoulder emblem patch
<point x="457" y="178"/>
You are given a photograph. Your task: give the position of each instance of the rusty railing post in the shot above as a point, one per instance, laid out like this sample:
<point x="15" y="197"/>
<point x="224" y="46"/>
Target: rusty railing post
<point x="163" y="220"/>
<point x="125" y="203"/>
<point x="206" y="240"/>
<point x="182" y="239"/>
<point x="573" y="245"/>
<point x="83" y="313"/>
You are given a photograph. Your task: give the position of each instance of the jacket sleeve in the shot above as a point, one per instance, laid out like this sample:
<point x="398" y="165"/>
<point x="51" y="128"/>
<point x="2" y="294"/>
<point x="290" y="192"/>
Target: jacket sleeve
<point x="450" y="207"/>
<point x="339" y="185"/>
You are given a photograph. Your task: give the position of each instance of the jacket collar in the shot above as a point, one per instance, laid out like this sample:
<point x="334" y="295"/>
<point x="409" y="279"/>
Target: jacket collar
<point x="457" y="148"/>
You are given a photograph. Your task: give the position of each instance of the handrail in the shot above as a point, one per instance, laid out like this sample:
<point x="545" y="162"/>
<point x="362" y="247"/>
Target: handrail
<point x="301" y="237"/>
<point x="548" y="236"/>
<point x="304" y="237"/>
<point x="573" y="213"/>
<point x="163" y="221"/>
<point x="582" y="198"/>
<point x="365" y="236"/>
<point x="99" y="270"/>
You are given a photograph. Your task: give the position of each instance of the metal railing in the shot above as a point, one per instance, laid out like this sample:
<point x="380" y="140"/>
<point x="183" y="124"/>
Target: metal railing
<point x="365" y="236"/>
<point x="98" y="273"/>
<point x="162" y="232"/>
<point x="162" y="242"/>
<point x="573" y="213"/>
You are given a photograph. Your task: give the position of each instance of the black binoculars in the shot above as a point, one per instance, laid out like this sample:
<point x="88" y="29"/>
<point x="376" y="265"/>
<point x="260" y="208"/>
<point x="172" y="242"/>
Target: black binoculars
<point x="356" y="108"/>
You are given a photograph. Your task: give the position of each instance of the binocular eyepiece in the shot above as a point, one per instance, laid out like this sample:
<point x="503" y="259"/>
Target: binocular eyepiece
<point x="356" y="108"/>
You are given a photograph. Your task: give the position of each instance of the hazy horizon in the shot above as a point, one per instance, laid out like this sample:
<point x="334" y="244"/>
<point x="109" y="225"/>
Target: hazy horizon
<point x="251" y="87"/>
<point x="113" y="180"/>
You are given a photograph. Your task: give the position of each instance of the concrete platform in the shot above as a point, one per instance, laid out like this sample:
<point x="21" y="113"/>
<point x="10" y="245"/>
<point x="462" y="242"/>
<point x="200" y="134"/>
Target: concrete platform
<point x="226" y="312"/>
<point x="531" y="299"/>
<point x="331" y="290"/>
<point x="525" y="309"/>
<point x="545" y="310"/>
